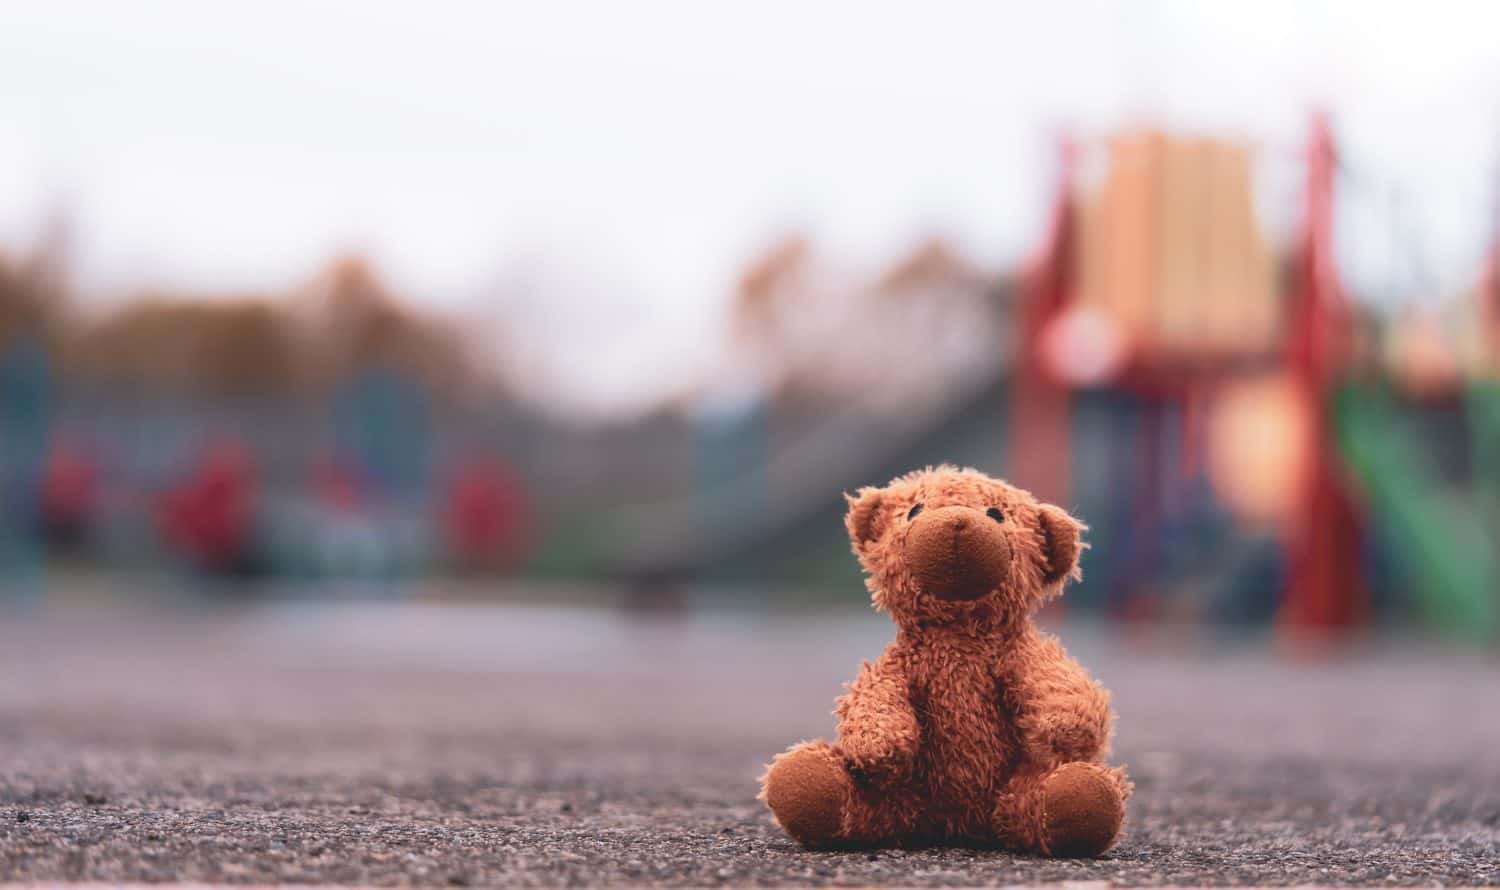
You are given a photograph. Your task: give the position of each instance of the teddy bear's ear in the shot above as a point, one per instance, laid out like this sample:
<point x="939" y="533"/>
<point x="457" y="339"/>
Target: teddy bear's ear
<point x="1062" y="538"/>
<point x="864" y="520"/>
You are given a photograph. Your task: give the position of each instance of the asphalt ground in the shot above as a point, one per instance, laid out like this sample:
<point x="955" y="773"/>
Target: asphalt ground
<point x="401" y="744"/>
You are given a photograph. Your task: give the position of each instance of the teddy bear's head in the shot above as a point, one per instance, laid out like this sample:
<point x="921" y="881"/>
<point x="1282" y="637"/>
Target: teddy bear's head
<point x="948" y="546"/>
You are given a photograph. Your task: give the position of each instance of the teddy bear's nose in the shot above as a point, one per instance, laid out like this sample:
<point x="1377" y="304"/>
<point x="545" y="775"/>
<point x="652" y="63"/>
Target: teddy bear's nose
<point x="956" y="552"/>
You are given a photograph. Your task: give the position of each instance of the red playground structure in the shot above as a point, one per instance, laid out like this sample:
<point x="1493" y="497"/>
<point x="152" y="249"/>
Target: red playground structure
<point x="1162" y="287"/>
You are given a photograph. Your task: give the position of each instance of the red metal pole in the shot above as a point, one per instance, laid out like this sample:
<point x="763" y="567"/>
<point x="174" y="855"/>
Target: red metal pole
<point x="1040" y="427"/>
<point x="1325" y="589"/>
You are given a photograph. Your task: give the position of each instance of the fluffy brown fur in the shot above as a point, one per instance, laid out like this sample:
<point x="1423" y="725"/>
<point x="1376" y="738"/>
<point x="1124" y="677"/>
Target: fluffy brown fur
<point x="972" y="727"/>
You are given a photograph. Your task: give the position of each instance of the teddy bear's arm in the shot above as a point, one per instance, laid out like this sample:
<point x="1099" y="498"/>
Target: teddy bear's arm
<point x="1061" y="713"/>
<point x="878" y="729"/>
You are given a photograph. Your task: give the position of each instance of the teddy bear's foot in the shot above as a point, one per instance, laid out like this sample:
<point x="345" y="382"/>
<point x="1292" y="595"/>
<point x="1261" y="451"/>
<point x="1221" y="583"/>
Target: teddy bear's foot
<point x="1073" y="810"/>
<point x="1082" y="808"/>
<point x="807" y="788"/>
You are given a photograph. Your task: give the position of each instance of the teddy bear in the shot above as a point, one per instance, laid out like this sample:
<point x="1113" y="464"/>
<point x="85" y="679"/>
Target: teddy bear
<point x="973" y="728"/>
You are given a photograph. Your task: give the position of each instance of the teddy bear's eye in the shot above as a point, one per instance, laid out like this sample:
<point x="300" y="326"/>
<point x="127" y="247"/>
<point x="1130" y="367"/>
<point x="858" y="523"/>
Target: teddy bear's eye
<point x="912" y="513"/>
<point x="995" y="514"/>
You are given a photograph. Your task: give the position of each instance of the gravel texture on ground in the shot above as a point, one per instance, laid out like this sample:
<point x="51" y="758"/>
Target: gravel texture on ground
<point x="462" y="746"/>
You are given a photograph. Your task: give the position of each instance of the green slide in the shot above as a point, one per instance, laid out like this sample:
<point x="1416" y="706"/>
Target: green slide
<point x="1450" y="536"/>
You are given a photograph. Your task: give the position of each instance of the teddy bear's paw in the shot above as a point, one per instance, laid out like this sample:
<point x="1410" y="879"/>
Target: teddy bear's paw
<point x="1082" y="808"/>
<point x="877" y="766"/>
<point x="1063" y="738"/>
<point x="807" y="789"/>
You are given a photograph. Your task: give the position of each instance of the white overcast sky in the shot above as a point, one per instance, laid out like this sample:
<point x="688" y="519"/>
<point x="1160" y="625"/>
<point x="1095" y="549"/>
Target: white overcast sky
<point x="639" y="152"/>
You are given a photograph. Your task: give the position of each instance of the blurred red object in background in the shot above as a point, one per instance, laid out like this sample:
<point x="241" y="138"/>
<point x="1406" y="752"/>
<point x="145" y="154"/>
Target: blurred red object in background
<point x="208" y="518"/>
<point x="68" y="496"/>
<point x="339" y="484"/>
<point x="483" y="513"/>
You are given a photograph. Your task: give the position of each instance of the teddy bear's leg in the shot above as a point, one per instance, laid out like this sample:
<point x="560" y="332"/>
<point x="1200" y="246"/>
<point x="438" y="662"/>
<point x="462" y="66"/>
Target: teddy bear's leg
<point x="807" y="788"/>
<point x="819" y="804"/>
<point x="1072" y="810"/>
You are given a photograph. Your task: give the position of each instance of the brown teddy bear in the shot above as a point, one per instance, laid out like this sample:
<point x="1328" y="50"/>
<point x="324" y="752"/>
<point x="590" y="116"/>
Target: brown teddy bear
<point x="973" y="727"/>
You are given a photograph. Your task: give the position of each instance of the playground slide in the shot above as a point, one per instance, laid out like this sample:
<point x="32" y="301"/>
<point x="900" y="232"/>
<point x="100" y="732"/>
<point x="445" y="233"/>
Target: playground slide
<point x="1484" y="419"/>
<point x="1450" y="543"/>
<point x="671" y="539"/>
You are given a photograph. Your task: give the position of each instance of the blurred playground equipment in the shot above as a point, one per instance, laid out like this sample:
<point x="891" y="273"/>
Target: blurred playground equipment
<point x="1206" y="407"/>
<point x="1248" y="443"/>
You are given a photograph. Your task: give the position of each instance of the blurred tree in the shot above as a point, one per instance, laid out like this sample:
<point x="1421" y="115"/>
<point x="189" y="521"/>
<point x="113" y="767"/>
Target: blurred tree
<point x="31" y="300"/>
<point x="212" y="346"/>
<point x="224" y="345"/>
<point x="357" y="324"/>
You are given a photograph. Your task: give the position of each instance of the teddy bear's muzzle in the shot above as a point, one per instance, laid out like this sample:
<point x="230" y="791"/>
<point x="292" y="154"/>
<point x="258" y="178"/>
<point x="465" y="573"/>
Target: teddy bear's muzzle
<point x="957" y="553"/>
